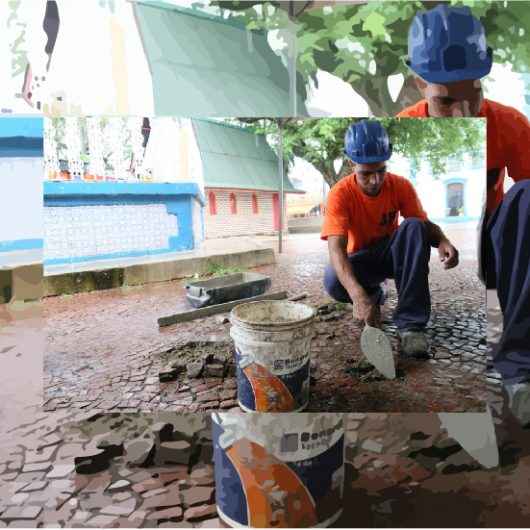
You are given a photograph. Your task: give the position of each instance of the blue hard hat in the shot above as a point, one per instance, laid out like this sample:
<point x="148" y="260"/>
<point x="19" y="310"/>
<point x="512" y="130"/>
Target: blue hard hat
<point x="448" y="44"/>
<point x="367" y="142"/>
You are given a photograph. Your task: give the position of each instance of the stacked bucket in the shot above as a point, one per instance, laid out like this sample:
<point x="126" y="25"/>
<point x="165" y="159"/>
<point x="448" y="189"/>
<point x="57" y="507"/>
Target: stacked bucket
<point x="274" y="469"/>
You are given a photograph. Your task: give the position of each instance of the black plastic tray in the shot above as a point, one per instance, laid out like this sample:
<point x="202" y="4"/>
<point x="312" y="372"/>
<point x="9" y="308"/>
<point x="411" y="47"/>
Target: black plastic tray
<point x="226" y="288"/>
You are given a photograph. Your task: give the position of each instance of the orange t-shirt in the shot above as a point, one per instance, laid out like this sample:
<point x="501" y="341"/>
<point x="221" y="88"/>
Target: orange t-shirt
<point x="508" y="141"/>
<point x="364" y="219"/>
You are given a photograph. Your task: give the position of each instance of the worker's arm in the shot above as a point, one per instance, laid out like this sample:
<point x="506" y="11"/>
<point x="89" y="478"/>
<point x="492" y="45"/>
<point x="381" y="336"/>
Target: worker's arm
<point x="363" y="307"/>
<point x="437" y="239"/>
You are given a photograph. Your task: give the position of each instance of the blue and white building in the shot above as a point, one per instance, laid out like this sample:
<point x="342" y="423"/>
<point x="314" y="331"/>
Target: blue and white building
<point x="21" y="219"/>
<point x="123" y="201"/>
<point x="456" y="195"/>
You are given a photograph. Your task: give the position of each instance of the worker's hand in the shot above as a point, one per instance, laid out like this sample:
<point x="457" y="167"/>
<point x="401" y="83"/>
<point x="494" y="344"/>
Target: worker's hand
<point x="365" y="310"/>
<point x="448" y="254"/>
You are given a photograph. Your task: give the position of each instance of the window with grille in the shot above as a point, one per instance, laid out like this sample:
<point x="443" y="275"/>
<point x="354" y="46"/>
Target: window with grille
<point x="212" y="203"/>
<point x="233" y="204"/>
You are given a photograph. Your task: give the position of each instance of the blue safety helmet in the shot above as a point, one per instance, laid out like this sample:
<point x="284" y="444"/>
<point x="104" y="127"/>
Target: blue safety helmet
<point x="448" y="44"/>
<point x="367" y="142"/>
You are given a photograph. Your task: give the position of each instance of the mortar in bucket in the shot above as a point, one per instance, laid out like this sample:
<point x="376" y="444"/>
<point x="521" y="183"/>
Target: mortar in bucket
<point x="272" y="350"/>
<point x="279" y="470"/>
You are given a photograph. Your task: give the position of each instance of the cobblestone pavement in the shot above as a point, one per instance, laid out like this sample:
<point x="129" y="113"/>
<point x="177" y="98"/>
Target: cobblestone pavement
<point x="401" y="469"/>
<point x="104" y="349"/>
<point x="493" y="378"/>
<point x="155" y="469"/>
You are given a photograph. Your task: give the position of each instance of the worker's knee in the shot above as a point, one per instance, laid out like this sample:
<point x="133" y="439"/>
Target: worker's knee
<point x="414" y="225"/>
<point x="333" y="286"/>
<point x="521" y="189"/>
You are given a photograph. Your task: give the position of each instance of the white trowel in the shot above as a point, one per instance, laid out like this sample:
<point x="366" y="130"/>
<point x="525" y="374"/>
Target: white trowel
<point x="378" y="351"/>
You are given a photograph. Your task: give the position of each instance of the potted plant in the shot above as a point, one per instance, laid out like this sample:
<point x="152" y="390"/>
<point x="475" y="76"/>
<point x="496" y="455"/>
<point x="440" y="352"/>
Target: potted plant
<point x="63" y="170"/>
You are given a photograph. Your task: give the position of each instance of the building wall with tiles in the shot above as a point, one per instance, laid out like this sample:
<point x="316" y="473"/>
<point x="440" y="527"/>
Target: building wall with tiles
<point x="103" y="220"/>
<point x="224" y="223"/>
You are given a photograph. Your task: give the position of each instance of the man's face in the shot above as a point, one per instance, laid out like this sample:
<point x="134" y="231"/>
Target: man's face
<point x="460" y="99"/>
<point x="370" y="177"/>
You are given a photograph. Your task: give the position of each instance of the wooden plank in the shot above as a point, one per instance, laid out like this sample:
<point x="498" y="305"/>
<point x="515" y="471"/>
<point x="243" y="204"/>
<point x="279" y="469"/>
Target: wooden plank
<point x="297" y="297"/>
<point x="186" y="316"/>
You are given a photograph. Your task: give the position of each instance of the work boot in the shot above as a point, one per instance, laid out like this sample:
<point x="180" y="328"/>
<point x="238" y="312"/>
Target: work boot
<point x="518" y="401"/>
<point x="414" y="344"/>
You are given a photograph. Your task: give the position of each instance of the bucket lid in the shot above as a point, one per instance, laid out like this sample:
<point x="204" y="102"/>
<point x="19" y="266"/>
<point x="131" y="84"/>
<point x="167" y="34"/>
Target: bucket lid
<point x="270" y="314"/>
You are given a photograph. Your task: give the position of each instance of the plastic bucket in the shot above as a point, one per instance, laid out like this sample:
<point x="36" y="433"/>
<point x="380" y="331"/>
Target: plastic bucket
<point x="272" y="349"/>
<point x="278" y="470"/>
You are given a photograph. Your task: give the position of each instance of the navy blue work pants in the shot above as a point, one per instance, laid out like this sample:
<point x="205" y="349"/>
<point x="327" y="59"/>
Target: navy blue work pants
<point x="506" y="258"/>
<point x="403" y="257"/>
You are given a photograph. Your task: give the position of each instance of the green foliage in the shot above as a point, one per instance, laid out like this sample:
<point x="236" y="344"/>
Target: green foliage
<point x="216" y="269"/>
<point x="321" y="141"/>
<point x="364" y="43"/>
<point x="19" y="58"/>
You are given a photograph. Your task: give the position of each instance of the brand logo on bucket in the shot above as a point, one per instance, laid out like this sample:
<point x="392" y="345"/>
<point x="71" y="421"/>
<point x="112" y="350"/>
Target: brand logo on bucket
<point x="305" y="440"/>
<point x="289" y="364"/>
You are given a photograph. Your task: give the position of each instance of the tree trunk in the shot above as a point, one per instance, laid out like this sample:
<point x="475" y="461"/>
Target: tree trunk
<point x="327" y="170"/>
<point x="330" y="178"/>
<point x="374" y="90"/>
<point x="345" y="169"/>
<point x="409" y="93"/>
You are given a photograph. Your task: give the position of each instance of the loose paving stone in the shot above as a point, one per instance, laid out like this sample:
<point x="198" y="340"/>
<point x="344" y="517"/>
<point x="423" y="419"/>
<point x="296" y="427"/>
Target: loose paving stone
<point x="139" y="452"/>
<point x="68" y="451"/>
<point x="194" y="369"/>
<point x="101" y="521"/>
<point x="162" y="432"/>
<point x="168" y="514"/>
<point x="119" y="485"/>
<point x="18" y="499"/>
<point x="123" y="496"/>
<point x="123" y="509"/>
<point x="153" y="493"/>
<point x="91" y="461"/>
<point x="41" y="466"/>
<point x="60" y="471"/>
<point x="214" y="370"/>
<point x="228" y="403"/>
<point x="164" y="500"/>
<point x="40" y="456"/>
<point x="198" y="495"/>
<point x="371" y="445"/>
<point x="37" y="485"/>
<point x="202" y="475"/>
<point x="27" y="513"/>
<point x="17" y="524"/>
<point x="177" y="452"/>
<point x="111" y="443"/>
<point x="208" y="395"/>
<point x="147" y="484"/>
<point x="80" y="516"/>
<point x="200" y="512"/>
<point x="175" y="472"/>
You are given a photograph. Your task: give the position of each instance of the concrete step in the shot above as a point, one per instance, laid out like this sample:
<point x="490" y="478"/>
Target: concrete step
<point x="101" y="277"/>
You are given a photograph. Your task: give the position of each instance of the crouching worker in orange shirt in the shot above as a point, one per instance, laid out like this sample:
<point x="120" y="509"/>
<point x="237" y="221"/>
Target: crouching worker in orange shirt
<point x="448" y="55"/>
<point x="366" y="244"/>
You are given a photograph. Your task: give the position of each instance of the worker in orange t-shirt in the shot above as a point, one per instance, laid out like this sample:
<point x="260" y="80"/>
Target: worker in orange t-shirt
<point x="449" y="56"/>
<point x="366" y="244"/>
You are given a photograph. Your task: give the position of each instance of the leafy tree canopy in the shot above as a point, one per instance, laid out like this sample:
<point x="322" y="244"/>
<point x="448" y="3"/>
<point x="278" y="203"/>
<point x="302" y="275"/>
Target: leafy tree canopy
<point x="364" y="43"/>
<point x="321" y="141"/>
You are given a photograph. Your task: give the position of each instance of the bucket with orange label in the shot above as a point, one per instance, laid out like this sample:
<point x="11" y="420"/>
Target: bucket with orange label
<point x="272" y="349"/>
<point x="279" y="470"/>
